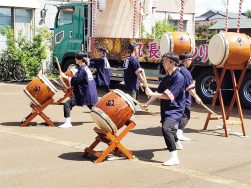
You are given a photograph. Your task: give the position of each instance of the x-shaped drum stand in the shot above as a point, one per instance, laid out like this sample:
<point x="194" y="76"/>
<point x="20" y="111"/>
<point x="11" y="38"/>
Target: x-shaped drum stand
<point x="38" y="110"/>
<point x="113" y="142"/>
<point x="236" y="86"/>
<point x="67" y="93"/>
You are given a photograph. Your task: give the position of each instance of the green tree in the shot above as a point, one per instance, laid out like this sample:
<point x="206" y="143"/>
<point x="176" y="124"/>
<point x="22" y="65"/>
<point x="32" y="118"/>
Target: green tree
<point x="202" y="32"/>
<point x="159" y="28"/>
<point x="248" y="13"/>
<point x="30" y="53"/>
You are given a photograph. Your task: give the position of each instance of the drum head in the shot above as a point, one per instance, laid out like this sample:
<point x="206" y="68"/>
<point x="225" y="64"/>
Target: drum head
<point x="102" y="120"/>
<point x="166" y="43"/>
<point x="126" y="97"/>
<point x="218" y="49"/>
<point x="73" y="69"/>
<point x="48" y="83"/>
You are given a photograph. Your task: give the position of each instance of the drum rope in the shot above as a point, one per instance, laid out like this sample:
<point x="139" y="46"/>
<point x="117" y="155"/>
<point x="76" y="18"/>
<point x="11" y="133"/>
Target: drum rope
<point x="181" y="15"/>
<point x="94" y="18"/>
<point x="239" y="17"/>
<point x="134" y="17"/>
<point x="140" y="19"/>
<point x="226" y="26"/>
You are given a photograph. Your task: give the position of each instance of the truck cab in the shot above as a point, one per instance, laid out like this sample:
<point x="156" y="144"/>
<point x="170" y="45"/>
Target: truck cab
<point x="70" y="32"/>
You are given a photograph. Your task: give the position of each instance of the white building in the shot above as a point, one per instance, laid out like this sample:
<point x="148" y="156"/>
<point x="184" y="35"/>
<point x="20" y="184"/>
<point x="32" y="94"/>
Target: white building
<point x="169" y="10"/>
<point x="21" y="15"/>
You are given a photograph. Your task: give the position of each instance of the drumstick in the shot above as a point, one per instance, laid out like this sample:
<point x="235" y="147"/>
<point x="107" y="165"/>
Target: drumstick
<point x="140" y="105"/>
<point x="209" y="110"/>
<point x="142" y="89"/>
<point x="59" y="67"/>
<point x="144" y="77"/>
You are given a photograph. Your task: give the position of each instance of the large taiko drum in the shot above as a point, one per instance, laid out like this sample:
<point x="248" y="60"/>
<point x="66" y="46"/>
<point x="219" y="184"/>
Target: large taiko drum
<point x="229" y="49"/>
<point x="40" y="90"/>
<point x="70" y="72"/>
<point x="113" y="110"/>
<point x="177" y="42"/>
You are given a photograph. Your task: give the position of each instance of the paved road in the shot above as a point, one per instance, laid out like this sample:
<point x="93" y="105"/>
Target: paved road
<point x="41" y="156"/>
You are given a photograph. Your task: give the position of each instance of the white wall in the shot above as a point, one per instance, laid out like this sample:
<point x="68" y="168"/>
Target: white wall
<point x="169" y="9"/>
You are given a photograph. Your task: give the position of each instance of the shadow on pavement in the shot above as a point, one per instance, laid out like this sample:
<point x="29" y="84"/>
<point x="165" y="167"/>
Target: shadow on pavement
<point x="73" y="156"/>
<point x="44" y="124"/>
<point x="157" y="131"/>
<point x="147" y="155"/>
<point x="153" y="131"/>
<point x="143" y="155"/>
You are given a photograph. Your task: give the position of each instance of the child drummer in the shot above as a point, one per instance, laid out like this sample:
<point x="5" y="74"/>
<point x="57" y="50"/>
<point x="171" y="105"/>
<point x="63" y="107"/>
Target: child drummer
<point x="102" y="69"/>
<point x="133" y="72"/>
<point x="84" y="89"/>
<point x="172" y="104"/>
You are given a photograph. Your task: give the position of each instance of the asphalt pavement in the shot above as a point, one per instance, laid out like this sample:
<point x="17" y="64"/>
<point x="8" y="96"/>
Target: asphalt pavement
<point x="42" y="156"/>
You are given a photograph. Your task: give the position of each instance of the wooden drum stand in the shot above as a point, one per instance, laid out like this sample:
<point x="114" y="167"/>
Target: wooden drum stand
<point x="236" y="85"/>
<point x="67" y="93"/>
<point x="38" y="110"/>
<point x="40" y="90"/>
<point x="112" y="140"/>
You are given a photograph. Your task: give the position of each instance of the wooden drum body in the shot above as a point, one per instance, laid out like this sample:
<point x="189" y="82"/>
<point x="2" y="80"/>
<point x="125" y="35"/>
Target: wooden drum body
<point x="40" y="90"/>
<point x="177" y="42"/>
<point x="70" y="72"/>
<point x="229" y="49"/>
<point x="113" y="110"/>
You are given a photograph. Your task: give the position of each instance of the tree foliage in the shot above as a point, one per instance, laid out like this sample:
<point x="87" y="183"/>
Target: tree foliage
<point x="159" y="28"/>
<point x="248" y="13"/>
<point x="202" y="32"/>
<point x="30" y="53"/>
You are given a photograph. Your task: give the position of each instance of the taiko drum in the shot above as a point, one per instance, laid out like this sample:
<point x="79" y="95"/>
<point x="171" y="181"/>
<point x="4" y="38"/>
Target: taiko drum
<point x="40" y="90"/>
<point x="113" y="110"/>
<point x="177" y="42"/>
<point x="229" y="49"/>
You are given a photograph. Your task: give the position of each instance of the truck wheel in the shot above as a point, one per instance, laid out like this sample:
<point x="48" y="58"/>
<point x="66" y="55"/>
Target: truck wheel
<point x="206" y="86"/>
<point x="245" y="91"/>
<point x="68" y="63"/>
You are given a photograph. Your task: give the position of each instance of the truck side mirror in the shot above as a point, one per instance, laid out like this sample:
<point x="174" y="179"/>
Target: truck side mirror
<point x="42" y="16"/>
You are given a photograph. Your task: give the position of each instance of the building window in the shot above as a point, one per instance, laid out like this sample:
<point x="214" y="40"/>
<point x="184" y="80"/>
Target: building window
<point x="17" y="18"/>
<point x="23" y="22"/>
<point x="5" y="20"/>
<point x="176" y="24"/>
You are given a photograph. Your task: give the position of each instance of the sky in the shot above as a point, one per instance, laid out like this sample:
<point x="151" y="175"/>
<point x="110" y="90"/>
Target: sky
<point x="201" y="6"/>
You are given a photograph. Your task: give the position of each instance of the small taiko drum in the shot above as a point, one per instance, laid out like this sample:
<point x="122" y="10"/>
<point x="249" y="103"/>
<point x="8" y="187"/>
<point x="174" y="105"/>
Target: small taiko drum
<point x="177" y="42"/>
<point x="113" y="110"/>
<point x="40" y="90"/>
<point x="229" y="49"/>
<point x="70" y="72"/>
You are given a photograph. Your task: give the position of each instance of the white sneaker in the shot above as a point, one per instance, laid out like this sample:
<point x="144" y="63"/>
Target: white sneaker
<point x="173" y="161"/>
<point x="65" y="125"/>
<point x="178" y="145"/>
<point x="181" y="137"/>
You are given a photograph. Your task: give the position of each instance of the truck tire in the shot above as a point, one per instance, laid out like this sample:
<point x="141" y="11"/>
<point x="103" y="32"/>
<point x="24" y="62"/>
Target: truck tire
<point x="245" y="91"/>
<point x="68" y="63"/>
<point x="205" y="86"/>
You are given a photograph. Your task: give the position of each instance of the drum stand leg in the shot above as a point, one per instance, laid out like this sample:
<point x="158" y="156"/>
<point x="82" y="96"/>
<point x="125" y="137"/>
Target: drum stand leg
<point x="67" y="93"/>
<point x="37" y="110"/>
<point x="225" y="116"/>
<point x="113" y="142"/>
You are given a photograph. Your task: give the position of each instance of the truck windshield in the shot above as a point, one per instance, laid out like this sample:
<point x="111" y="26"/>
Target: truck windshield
<point x="65" y="16"/>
